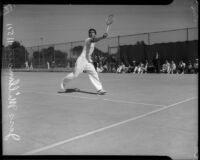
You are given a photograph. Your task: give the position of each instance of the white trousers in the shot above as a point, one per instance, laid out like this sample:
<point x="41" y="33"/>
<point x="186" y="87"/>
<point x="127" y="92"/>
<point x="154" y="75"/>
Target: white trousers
<point x="83" y="64"/>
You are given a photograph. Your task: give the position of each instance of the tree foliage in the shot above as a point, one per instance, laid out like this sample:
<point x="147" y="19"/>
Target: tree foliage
<point x="16" y="54"/>
<point x="54" y="57"/>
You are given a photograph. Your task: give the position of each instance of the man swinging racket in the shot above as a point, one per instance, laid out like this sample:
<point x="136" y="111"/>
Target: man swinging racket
<point x="84" y="63"/>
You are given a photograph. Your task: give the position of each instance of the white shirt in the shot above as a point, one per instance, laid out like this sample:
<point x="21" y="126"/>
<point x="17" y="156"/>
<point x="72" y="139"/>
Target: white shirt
<point x="88" y="49"/>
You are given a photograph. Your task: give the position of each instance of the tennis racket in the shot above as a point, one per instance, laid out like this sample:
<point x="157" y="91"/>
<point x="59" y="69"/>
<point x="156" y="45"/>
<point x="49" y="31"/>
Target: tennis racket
<point x="109" y="21"/>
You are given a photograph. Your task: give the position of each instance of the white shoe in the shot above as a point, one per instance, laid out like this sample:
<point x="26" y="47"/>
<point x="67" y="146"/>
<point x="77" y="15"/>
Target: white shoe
<point x="101" y="92"/>
<point x="62" y="86"/>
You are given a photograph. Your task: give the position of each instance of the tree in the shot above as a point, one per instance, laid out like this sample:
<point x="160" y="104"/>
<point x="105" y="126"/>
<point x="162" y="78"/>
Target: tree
<point x="17" y="54"/>
<point x="76" y="51"/>
<point x="57" y="57"/>
<point x="60" y="58"/>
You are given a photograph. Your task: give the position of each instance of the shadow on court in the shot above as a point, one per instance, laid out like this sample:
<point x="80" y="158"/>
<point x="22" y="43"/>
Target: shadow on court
<point x="71" y="90"/>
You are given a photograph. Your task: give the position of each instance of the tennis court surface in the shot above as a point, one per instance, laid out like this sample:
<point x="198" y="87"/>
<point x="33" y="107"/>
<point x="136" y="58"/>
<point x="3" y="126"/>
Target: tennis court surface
<point x="146" y="114"/>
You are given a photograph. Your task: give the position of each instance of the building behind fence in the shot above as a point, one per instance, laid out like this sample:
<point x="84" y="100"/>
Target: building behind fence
<point x="180" y="44"/>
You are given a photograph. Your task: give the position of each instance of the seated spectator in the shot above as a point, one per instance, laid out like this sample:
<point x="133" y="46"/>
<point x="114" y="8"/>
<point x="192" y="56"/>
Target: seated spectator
<point x="139" y="68"/>
<point x="125" y="69"/>
<point x="189" y="68"/>
<point x="130" y="69"/>
<point x="104" y="60"/>
<point x="136" y="69"/>
<point x="112" y="67"/>
<point x="163" y="68"/>
<point x="196" y="66"/>
<point x="172" y="67"/>
<point x="99" y="68"/>
<point x="121" y="68"/>
<point x="150" y="67"/>
<point x="132" y="66"/>
<point x="105" y="68"/>
<point x="166" y="67"/>
<point x="181" y="67"/>
<point x="114" y="70"/>
<point x="145" y="67"/>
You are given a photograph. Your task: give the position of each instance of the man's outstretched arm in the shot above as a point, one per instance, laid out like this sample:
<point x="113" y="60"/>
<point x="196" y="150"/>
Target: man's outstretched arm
<point x="105" y="35"/>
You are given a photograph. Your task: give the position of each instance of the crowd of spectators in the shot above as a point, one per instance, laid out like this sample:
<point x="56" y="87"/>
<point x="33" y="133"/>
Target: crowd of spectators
<point x="104" y="63"/>
<point x="180" y="68"/>
<point x="150" y="67"/>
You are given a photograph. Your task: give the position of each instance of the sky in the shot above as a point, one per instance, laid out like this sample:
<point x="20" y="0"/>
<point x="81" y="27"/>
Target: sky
<point x="47" y="24"/>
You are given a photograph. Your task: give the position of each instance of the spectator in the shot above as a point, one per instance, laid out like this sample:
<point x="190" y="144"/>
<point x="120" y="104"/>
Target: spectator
<point x="166" y="67"/>
<point x="105" y="67"/>
<point x="121" y="68"/>
<point x="130" y="69"/>
<point x="31" y="67"/>
<point x="150" y="67"/>
<point x="125" y="70"/>
<point x="196" y="66"/>
<point x="99" y="68"/>
<point x="139" y="68"/>
<point x="26" y="65"/>
<point x="48" y="65"/>
<point x="112" y="67"/>
<point x="156" y="62"/>
<point x="190" y="68"/>
<point x="114" y="70"/>
<point x="172" y="67"/>
<point x="133" y="66"/>
<point x="163" y="70"/>
<point x="145" y="66"/>
<point x="181" y="67"/>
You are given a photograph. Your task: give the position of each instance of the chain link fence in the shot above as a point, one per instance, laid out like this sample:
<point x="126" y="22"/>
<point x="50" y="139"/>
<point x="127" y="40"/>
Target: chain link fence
<point x="113" y="50"/>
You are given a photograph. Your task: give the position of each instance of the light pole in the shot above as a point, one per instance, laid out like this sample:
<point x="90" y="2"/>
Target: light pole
<point x="39" y="54"/>
<point x="54" y="56"/>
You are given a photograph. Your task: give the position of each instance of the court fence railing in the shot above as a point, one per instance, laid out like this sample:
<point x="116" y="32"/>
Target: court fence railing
<point x="62" y="56"/>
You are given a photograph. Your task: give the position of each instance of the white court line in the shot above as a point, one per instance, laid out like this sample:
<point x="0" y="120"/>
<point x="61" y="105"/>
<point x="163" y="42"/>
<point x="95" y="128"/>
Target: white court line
<point x="104" y="128"/>
<point x="122" y="101"/>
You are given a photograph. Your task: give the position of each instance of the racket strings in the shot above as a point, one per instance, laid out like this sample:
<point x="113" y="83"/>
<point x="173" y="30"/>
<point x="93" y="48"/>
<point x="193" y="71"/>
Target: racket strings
<point x="110" y="19"/>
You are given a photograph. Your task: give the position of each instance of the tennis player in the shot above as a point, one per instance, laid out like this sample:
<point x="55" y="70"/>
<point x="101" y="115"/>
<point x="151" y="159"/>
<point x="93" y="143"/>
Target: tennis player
<point x="85" y="63"/>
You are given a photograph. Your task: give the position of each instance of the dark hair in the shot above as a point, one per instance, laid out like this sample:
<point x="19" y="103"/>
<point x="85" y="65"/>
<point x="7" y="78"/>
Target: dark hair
<point x="92" y="29"/>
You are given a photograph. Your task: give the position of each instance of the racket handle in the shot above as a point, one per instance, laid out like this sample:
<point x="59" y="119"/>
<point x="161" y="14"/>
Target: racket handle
<point x="107" y="29"/>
